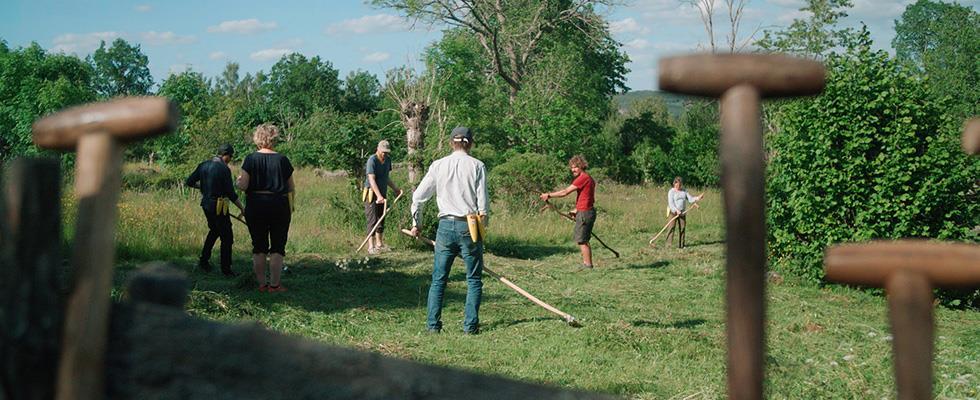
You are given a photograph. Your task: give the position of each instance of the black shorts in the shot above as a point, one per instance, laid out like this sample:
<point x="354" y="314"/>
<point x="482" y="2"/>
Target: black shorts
<point x="373" y="212"/>
<point x="268" y="218"/>
<point x="584" y="220"/>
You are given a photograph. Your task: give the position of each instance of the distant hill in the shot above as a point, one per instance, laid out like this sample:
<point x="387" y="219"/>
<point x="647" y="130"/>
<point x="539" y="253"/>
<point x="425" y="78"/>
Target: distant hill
<point x="675" y="102"/>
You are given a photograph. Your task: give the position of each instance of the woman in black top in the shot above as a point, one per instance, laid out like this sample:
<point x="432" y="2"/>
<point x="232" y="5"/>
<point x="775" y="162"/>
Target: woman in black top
<point x="267" y="179"/>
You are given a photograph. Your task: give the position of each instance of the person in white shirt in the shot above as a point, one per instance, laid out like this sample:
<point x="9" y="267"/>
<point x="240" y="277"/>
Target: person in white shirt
<point x="677" y="201"/>
<point x="459" y="183"/>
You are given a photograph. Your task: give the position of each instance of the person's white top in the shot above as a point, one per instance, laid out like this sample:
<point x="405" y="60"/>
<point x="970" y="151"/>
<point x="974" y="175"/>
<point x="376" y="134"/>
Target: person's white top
<point x="459" y="183"/>
<point x="677" y="200"/>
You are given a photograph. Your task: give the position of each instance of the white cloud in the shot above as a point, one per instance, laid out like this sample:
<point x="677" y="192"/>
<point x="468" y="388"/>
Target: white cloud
<point x="379" y="23"/>
<point x="787" y="3"/>
<point x="217" y="55"/>
<point x="377" y="57"/>
<point x="178" y="68"/>
<point x="876" y="10"/>
<point x="269" y="54"/>
<point x="243" y="26"/>
<point x="787" y="18"/>
<point x="82" y="43"/>
<point x="638" y="44"/>
<point x="627" y="25"/>
<point x="143" y="8"/>
<point x="154" y="38"/>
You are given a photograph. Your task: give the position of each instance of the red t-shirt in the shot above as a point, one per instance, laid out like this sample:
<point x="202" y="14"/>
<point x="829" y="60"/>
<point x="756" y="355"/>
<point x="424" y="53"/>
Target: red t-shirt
<point x="586" y="191"/>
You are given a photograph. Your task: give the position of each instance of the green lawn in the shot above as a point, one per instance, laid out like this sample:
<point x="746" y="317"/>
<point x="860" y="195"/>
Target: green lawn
<point x="653" y="320"/>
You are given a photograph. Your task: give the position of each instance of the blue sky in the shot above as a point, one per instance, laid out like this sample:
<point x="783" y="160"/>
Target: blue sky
<point x="203" y="35"/>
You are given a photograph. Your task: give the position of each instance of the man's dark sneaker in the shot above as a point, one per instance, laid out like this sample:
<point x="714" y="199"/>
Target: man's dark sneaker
<point x="204" y="266"/>
<point x="433" y="331"/>
<point x="229" y="273"/>
<point x="475" y="331"/>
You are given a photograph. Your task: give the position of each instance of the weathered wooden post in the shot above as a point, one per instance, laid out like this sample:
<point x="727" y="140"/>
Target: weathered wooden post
<point x="741" y="81"/>
<point x="31" y="285"/>
<point x="97" y="132"/>
<point x="909" y="271"/>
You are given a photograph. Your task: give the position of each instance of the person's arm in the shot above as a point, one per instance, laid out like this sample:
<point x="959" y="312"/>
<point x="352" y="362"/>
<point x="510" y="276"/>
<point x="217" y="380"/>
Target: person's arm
<point x="391" y="184"/>
<point x="422" y="194"/>
<point x="693" y="199"/>
<point x="229" y="189"/>
<point x="194" y="180"/>
<point x="375" y="189"/>
<point x="482" y="196"/>
<point x="242" y="182"/>
<point x="561" y="193"/>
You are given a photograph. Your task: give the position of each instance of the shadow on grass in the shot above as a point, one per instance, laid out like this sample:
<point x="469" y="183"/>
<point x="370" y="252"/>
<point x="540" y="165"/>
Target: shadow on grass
<point x="320" y="285"/>
<point x="705" y="243"/>
<point x="653" y="265"/>
<point x="510" y="247"/>
<point x="500" y="324"/>
<point x="685" y="324"/>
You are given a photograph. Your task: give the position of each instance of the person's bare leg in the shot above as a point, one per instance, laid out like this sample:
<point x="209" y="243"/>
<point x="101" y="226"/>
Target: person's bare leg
<point x="275" y="268"/>
<point x="258" y="265"/>
<point x="586" y="253"/>
<point x="379" y="240"/>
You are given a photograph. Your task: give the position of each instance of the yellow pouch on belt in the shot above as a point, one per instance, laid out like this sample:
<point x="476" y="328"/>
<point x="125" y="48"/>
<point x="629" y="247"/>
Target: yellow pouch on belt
<point x="364" y="195"/>
<point x="219" y="206"/>
<point x="482" y="221"/>
<point x="475" y="223"/>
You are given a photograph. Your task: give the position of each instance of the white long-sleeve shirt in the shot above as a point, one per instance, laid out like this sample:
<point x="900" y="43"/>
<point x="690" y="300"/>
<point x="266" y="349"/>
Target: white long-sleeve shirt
<point x="459" y="183"/>
<point x="677" y="200"/>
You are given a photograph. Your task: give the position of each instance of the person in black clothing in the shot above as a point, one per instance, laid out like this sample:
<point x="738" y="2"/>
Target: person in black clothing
<point x="213" y="177"/>
<point x="267" y="179"/>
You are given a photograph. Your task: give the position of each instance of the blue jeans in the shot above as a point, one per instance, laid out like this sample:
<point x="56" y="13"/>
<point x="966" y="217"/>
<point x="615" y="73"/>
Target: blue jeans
<point x="453" y="239"/>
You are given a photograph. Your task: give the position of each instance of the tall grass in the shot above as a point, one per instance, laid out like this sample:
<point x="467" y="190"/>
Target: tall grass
<point x="653" y="319"/>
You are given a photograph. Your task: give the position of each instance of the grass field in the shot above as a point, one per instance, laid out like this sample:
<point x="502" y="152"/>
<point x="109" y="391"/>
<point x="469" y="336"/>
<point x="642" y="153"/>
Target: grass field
<point x="653" y="319"/>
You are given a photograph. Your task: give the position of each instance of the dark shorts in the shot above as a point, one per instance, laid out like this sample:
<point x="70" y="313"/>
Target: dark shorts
<point x="268" y="218"/>
<point x="373" y="212"/>
<point x="584" y="220"/>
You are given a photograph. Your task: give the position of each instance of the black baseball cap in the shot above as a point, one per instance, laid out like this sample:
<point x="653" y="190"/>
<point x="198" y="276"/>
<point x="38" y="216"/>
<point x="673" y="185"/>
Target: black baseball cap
<point x="461" y="133"/>
<point x="226" y="150"/>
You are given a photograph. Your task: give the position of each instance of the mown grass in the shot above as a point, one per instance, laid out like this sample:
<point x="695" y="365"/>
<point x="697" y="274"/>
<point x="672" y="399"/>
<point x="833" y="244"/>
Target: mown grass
<point x="653" y="319"/>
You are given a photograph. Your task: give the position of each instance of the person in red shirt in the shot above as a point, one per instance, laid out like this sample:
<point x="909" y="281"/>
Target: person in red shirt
<point x="584" y="212"/>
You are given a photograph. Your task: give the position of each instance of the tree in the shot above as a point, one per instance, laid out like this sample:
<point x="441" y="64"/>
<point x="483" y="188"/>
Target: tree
<point x="121" y="70"/>
<point x="942" y="40"/>
<point x="298" y="86"/>
<point x="228" y="83"/>
<point x="362" y="93"/>
<point x="706" y="10"/>
<point x="34" y="83"/>
<point x="510" y="32"/>
<point x="873" y="157"/>
<point x="816" y="35"/>
<point x="192" y="93"/>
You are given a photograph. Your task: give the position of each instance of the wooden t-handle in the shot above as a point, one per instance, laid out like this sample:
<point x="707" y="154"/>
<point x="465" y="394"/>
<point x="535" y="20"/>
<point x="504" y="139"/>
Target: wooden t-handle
<point x="126" y="120"/>
<point x="712" y="75"/>
<point x="945" y="265"/>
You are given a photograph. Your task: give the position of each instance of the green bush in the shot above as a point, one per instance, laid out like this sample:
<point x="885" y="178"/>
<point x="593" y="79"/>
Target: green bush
<point x="873" y="157"/>
<point x="518" y="181"/>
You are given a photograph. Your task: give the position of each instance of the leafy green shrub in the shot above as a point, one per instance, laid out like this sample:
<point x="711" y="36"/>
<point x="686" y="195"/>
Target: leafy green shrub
<point x="518" y="181"/>
<point x="873" y="157"/>
<point x="142" y="177"/>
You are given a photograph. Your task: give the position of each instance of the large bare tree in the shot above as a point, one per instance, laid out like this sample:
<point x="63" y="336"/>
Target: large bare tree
<point x="706" y="10"/>
<point x="510" y="31"/>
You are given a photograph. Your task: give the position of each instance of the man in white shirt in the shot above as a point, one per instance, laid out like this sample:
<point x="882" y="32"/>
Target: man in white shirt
<point x="459" y="183"/>
<point x="677" y="200"/>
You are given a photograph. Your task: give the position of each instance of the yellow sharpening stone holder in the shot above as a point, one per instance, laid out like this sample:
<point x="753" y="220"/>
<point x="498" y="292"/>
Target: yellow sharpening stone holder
<point x="475" y="223"/>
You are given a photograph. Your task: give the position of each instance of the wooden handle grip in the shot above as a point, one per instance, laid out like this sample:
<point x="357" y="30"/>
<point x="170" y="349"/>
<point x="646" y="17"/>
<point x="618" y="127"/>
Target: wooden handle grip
<point x="712" y="75"/>
<point x="871" y="264"/>
<point x="127" y="119"/>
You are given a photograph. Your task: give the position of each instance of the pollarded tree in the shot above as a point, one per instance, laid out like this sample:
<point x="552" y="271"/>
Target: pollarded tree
<point x="873" y="157"/>
<point x="121" y="70"/>
<point x="413" y="96"/>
